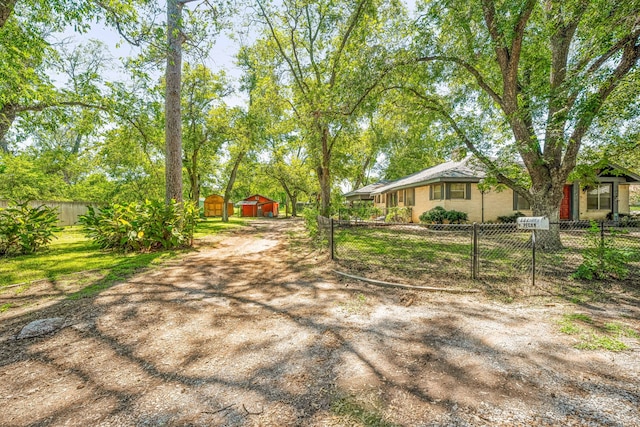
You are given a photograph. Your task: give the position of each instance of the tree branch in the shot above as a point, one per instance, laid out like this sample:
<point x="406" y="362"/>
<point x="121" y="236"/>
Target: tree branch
<point x="432" y="104"/>
<point x="500" y="45"/>
<point x="471" y="69"/>
<point x="594" y="103"/>
<point x="292" y="68"/>
<point x="355" y="17"/>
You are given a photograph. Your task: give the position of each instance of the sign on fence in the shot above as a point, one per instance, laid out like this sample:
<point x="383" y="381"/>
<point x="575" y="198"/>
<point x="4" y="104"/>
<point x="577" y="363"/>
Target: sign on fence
<point x="533" y="223"/>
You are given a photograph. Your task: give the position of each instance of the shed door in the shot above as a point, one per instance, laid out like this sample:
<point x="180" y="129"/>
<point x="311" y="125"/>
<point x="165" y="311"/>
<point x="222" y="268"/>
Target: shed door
<point x="565" y="205"/>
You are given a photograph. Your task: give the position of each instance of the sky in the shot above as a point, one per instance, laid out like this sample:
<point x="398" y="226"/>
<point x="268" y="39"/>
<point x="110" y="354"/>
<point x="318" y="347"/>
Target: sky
<point x="221" y="57"/>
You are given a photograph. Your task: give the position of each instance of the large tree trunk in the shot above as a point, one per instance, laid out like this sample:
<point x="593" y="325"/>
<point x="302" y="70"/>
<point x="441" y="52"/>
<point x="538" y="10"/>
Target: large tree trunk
<point x="324" y="175"/>
<point x="6" y="8"/>
<point x="173" y="119"/>
<point x="7" y="117"/>
<point x="547" y="203"/>
<point x="230" y="183"/>
<point x="294" y="202"/>
<point x="194" y="181"/>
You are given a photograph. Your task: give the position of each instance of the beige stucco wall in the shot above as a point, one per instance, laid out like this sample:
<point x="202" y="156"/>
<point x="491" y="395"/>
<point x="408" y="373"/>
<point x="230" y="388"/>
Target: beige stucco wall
<point x="495" y="204"/>
<point x="623" y="198"/>
<point x="590" y="214"/>
<point x="500" y="203"/>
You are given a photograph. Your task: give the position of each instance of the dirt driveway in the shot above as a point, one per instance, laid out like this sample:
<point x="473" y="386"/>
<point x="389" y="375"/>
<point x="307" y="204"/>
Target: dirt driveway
<point x="255" y="330"/>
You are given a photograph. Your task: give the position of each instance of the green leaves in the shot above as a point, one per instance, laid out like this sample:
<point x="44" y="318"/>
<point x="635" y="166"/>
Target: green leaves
<point x="25" y="229"/>
<point x="141" y="227"/>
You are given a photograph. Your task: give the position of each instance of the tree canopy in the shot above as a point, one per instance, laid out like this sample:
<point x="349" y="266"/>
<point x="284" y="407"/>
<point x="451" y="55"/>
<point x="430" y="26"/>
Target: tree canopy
<point x="339" y="93"/>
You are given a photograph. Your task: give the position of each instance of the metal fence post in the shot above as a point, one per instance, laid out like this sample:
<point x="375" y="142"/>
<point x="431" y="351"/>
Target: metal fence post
<point x="331" y="237"/>
<point x="533" y="258"/>
<point x="601" y="249"/>
<point x="474" y="251"/>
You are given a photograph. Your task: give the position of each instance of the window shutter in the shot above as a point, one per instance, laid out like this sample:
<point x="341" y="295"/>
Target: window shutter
<point x="467" y="193"/>
<point x="448" y="191"/>
<point x="515" y="201"/>
<point x="431" y="192"/>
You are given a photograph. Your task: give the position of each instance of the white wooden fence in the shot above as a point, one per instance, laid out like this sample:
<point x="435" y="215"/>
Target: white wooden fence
<point x="68" y="212"/>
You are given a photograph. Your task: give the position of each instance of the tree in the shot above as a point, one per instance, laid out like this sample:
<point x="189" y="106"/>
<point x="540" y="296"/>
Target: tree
<point x="203" y="133"/>
<point x="330" y="56"/>
<point x="289" y="167"/>
<point x="526" y="78"/>
<point x="172" y="107"/>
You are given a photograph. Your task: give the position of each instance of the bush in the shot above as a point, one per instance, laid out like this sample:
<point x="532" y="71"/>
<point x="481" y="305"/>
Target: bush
<point x="24" y="229"/>
<point x="439" y="215"/>
<point x="398" y="215"/>
<point x="456" y="217"/>
<point x="435" y="215"/>
<point x="359" y="213"/>
<point x="507" y="219"/>
<point x="310" y="216"/>
<point x="601" y="259"/>
<point x="147" y="226"/>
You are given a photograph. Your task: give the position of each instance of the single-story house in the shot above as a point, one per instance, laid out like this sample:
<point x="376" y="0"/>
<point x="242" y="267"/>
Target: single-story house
<point x="213" y="206"/>
<point x="258" y="206"/>
<point x="364" y="194"/>
<point x="454" y="186"/>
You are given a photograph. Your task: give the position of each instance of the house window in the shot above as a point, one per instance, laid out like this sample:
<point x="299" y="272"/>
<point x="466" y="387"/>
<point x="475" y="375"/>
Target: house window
<point x="377" y="198"/>
<point x="401" y="196"/>
<point x="457" y="191"/>
<point x="520" y="203"/>
<point x="410" y="197"/>
<point x="392" y="199"/>
<point x="437" y="192"/>
<point x="599" y="198"/>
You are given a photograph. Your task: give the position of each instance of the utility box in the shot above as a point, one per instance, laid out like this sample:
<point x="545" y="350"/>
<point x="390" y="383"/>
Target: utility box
<point x="533" y="223"/>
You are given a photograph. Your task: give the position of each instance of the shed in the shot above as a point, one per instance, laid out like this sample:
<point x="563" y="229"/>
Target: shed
<point x="258" y="206"/>
<point x="213" y="206"/>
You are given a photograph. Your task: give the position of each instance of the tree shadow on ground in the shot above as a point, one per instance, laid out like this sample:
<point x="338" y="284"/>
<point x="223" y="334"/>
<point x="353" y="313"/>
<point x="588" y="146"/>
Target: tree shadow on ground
<point x="237" y="339"/>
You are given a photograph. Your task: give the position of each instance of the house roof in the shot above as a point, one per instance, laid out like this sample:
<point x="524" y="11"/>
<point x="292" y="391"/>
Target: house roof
<point x="614" y="170"/>
<point x="260" y="196"/>
<point x="365" y="192"/>
<point x="465" y="170"/>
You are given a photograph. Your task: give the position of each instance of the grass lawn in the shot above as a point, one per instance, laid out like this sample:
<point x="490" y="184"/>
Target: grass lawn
<point x="71" y="252"/>
<point x="215" y="225"/>
<point x="635" y="208"/>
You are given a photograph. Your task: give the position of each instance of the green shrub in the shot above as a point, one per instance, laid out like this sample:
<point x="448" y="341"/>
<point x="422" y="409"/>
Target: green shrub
<point x="25" y="229"/>
<point x="310" y="216"/>
<point x="435" y="215"/>
<point x="359" y="213"/>
<point x="456" y="217"/>
<point x="398" y="215"/>
<point x="601" y="259"/>
<point x="510" y="218"/>
<point x="147" y="226"/>
<point x="438" y="215"/>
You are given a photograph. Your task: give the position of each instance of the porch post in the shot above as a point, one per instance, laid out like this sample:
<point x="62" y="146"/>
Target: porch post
<point x="614" y="200"/>
<point x="575" y="215"/>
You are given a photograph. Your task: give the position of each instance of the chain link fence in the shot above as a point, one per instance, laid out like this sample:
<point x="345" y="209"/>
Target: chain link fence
<point x="492" y="252"/>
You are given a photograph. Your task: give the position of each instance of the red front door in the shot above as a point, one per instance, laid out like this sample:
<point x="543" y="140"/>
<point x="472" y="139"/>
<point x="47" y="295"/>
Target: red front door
<point x="565" y="205"/>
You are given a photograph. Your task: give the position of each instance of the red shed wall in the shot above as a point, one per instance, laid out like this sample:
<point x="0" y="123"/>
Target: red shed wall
<point x="249" y="210"/>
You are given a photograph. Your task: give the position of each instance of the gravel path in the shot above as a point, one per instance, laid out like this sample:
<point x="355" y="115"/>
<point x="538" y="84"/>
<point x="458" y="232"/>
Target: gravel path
<point x="255" y="330"/>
